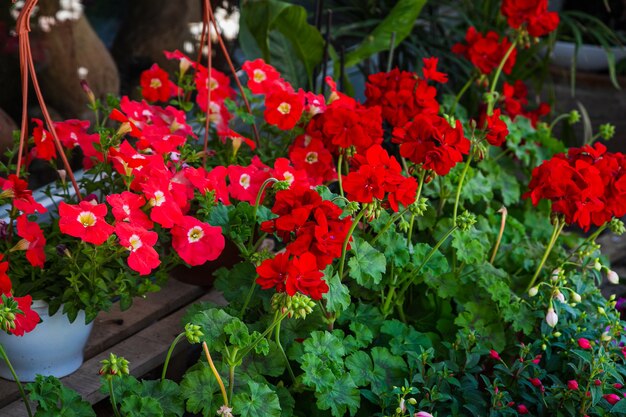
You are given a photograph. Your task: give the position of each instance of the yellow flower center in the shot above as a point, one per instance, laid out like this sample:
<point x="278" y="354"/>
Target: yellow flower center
<point x="311" y="157"/>
<point x="244" y="181"/>
<point x="288" y="177"/>
<point x="87" y="218"/>
<point x="195" y="234"/>
<point x="158" y="199"/>
<point x="284" y="108"/>
<point x="259" y="76"/>
<point x="135" y="243"/>
<point x="155" y="83"/>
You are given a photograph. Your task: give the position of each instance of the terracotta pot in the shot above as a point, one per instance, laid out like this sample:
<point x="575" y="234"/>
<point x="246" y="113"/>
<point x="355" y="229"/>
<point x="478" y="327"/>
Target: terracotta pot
<point x="203" y="275"/>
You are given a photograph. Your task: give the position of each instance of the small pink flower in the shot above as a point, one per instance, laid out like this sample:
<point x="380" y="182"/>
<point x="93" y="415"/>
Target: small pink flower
<point x="572" y="384"/>
<point x="612" y="398"/>
<point x="584" y="343"/>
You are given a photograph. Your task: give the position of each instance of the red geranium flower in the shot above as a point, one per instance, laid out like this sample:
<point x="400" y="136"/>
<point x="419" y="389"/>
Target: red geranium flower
<point x="539" y="21"/>
<point x="5" y="281"/>
<point x="155" y="84"/>
<point x="314" y="158"/>
<point x="430" y="70"/>
<point x="273" y="272"/>
<point x="44" y="142"/>
<point x="33" y="241"/>
<point x="304" y="277"/>
<point x="486" y="51"/>
<point x="497" y="130"/>
<point x="261" y="76"/>
<point x="197" y="242"/>
<point x="139" y="241"/>
<point x="283" y="108"/>
<point x="245" y="182"/>
<point x="85" y="221"/>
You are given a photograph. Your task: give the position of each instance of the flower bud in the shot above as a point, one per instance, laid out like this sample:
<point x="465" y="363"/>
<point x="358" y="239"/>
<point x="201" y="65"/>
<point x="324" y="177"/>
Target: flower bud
<point x="605" y="337"/>
<point x="576" y="297"/>
<point x="573" y="117"/>
<point x="597" y="265"/>
<point x="466" y="220"/>
<point x="601" y="311"/>
<point x="193" y="333"/>
<point x="551" y="318"/>
<point x="612" y="277"/>
<point x="572" y="384"/>
<point x="617" y="226"/>
<point x="557" y="334"/>
<point x="555" y="274"/>
<point x="533" y="291"/>
<point x="412" y="401"/>
<point x="559" y="296"/>
<point x="607" y="131"/>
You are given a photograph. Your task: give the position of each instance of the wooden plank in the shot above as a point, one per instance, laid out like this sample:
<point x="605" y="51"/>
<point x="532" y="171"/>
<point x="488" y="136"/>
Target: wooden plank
<point x="145" y="351"/>
<point x="114" y="326"/>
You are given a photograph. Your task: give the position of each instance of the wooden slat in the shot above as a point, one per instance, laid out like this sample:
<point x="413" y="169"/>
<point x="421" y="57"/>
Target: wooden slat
<point x="114" y="326"/>
<point x="145" y="351"/>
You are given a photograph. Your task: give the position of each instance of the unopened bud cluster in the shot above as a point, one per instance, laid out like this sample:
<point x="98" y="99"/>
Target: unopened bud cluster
<point x="617" y="226"/>
<point x="114" y="366"/>
<point x="573" y="117"/>
<point x="281" y="185"/>
<point x="607" y="131"/>
<point x="466" y="220"/>
<point x="8" y="310"/>
<point x="298" y="305"/>
<point x="419" y="207"/>
<point x="193" y="333"/>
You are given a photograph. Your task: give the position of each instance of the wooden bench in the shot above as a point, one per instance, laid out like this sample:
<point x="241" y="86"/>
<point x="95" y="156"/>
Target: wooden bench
<point x="142" y="335"/>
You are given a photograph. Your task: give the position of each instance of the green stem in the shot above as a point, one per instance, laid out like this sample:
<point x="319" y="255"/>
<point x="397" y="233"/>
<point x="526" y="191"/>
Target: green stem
<point x="592" y="237"/>
<point x="391" y="221"/>
<point x="496" y="76"/>
<point x="248" y="298"/>
<point x="425" y="261"/>
<point x="112" y="397"/>
<point x="231" y="381"/>
<point x="169" y="354"/>
<point x="20" y="387"/>
<point x="388" y="299"/>
<point x="458" y="97"/>
<point x="256" y="207"/>
<point x="282" y="351"/>
<point x="339" y="179"/>
<point x="556" y="120"/>
<point x="275" y="323"/>
<point x="460" y="186"/>
<point x="558" y="226"/>
<point x="344" y="249"/>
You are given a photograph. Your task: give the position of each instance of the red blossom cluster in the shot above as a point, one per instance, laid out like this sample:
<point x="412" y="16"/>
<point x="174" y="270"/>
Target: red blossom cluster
<point x="376" y="175"/>
<point x="533" y="13"/>
<point x="486" y="52"/>
<point x="314" y="234"/>
<point x="587" y="186"/>
<point x="71" y="133"/>
<point x="431" y="141"/>
<point x="515" y="100"/>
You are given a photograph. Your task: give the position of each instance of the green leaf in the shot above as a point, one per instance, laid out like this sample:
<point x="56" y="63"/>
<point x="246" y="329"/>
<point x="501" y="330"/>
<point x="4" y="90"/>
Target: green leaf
<point x="338" y="296"/>
<point x="396" y="248"/>
<point x="167" y="393"/>
<point x="326" y="345"/>
<point x="367" y="265"/>
<point x="478" y="188"/>
<point x="342" y="397"/>
<point x="360" y="366"/>
<point x="399" y="20"/>
<point x="238" y="333"/>
<point x="236" y="281"/>
<point x="404" y="338"/>
<point x="138" y="406"/>
<point x="470" y="246"/>
<point x="212" y="323"/>
<point x="436" y="265"/>
<point x="619" y="408"/>
<point x="317" y="373"/>
<point x="259" y="400"/>
<point x="200" y="389"/>
<point x="389" y="370"/>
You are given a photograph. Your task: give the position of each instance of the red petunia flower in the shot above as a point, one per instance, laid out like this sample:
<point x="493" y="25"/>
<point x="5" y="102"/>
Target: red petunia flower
<point x="126" y="207"/>
<point x="22" y="197"/>
<point x="44" y="142"/>
<point x="283" y="109"/>
<point x="314" y="158"/>
<point x="85" y="221"/>
<point x="486" y="52"/>
<point x="497" y="130"/>
<point x="261" y="76"/>
<point x="245" y="182"/>
<point x="33" y="241"/>
<point x="5" y="281"/>
<point x="430" y="70"/>
<point x="27" y="321"/>
<point x="165" y="210"/>
<point x="139" y="241"/>
<point x="155" y="84"/>
<point x="197" y="242"/>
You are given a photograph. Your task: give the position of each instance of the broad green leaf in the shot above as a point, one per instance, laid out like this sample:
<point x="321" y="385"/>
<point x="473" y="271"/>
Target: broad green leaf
<point x="138" y="406"/>
<point x="361" y="367"/>
<point x="399" y="20"/>
<point x="232" y="282"/>
<point x="368" y="265"/>
<point x="167" y="393"/>
<point x="619" y="408"/>
<point x="200" y="390"/>
<point x="341" y="398"/>
<point x="338" y="296"/>
<point x="470" y="248"/>
<point x="326" y="345"/>
<point x="404" y="338"/>
<point x="317" y="373"/>
<point x="389" y="370"/>
<point x="436" y="265"/>
<point x="396" y="248"/>
<point x="259" y="400"/>
<point x="212" y="323"/>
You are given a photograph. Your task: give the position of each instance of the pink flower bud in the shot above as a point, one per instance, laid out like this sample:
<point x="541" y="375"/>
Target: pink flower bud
<point x="612" y="398"/>
<point x="612" y="277"/>
<point x="597" y="382"/>
<point x="584" y="343"/>
<point x="422" y="414"/>
<point x="551" y="318"/>
<point x="572" y="384"/>
<point x="617" y="385"/>
<point x="535" y="381"/>
<point x="495" y="355"/>
<point x="522" y="409"/>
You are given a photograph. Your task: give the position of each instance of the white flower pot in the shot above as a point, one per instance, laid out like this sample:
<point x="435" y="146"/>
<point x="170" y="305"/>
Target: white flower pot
<point x="55" y="347"/>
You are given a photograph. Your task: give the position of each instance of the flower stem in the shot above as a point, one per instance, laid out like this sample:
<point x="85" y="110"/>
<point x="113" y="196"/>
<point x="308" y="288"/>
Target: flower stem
<point x="592" y="237"/>
<point x="494" y="82"/>
<point x="339" y="179"/>
<point x="275" y="323"/>
<point x="231" y="381"/>
<point x="215" y="373"/>
<point x="248" y="298"/>
<point x="504" y="212"/>
<point x="256" y="208"/>
<point x="282" y="351"/>
<point x="344" y="249"/>
<point x="460" y="186"/>
<point x="169" y="354"/>
<point x="558" y="226"/>
<point x="112" y="397"/>
<point x="391" y="221"/>
<point x="458" y="97"/>
<point x="20" y="387"/>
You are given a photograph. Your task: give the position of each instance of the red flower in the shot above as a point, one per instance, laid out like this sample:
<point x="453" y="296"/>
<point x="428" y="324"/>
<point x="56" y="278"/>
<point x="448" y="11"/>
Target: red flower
<point x="535" y="381"/>
<point x="584" y="343"/>
<point x="160" y="139"/>
<point x="155" y="84"/>
<point x="534" y="13"/>
<point x="22" y="197"/>
<point x="495" y="355"/>
<point x="304" y="277"/>
<point x="314" y="158"/>
<point x="27" y="321"/>
<point x="165" y="210"/>
<point x="283" y="171"/>
<point x="261" y="76"/>
<point x="197" y="242"/>
<point x="612" y="398"/>
<point x="522" y="409"/>
<point x="5" y="281"/>
<point x="431" y="141"/>
<point x="143" y="258"/>
<point x="33" y="241"/>
<point x="486" y="51"/>
<point x="283" y="108"/>
<point x="430" y="70"/>
<point x="273" y="272"/>
<point x="44" y="142"/>
<point x="245" y="182"/>
<point x="85" y="221"/>
<point x="497" y="131"/>
<point x="572" y="384"/>
<point x="126" y="207"/>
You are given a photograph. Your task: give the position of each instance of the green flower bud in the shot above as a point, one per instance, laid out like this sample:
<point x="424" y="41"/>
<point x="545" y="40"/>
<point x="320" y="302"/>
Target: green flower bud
<point x="281" y="185"/>
<point x="607" y="131"/>
<point x="403" y="225"/>
<point x="353" y="207"/>
<point x="601" y="311"/>
<point x="576" y="297"/>
<point x="466" y="220"/>
<point x="298" y="305"/>
<point x="114" y="366"/>
<point x="193" y="333"/>
<point x="533" y="291"/>
<point x="574" y="117"/>
<point x="557" y="334"/>
<point x="419" y="207"/>
<point x="617" y="226"/>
